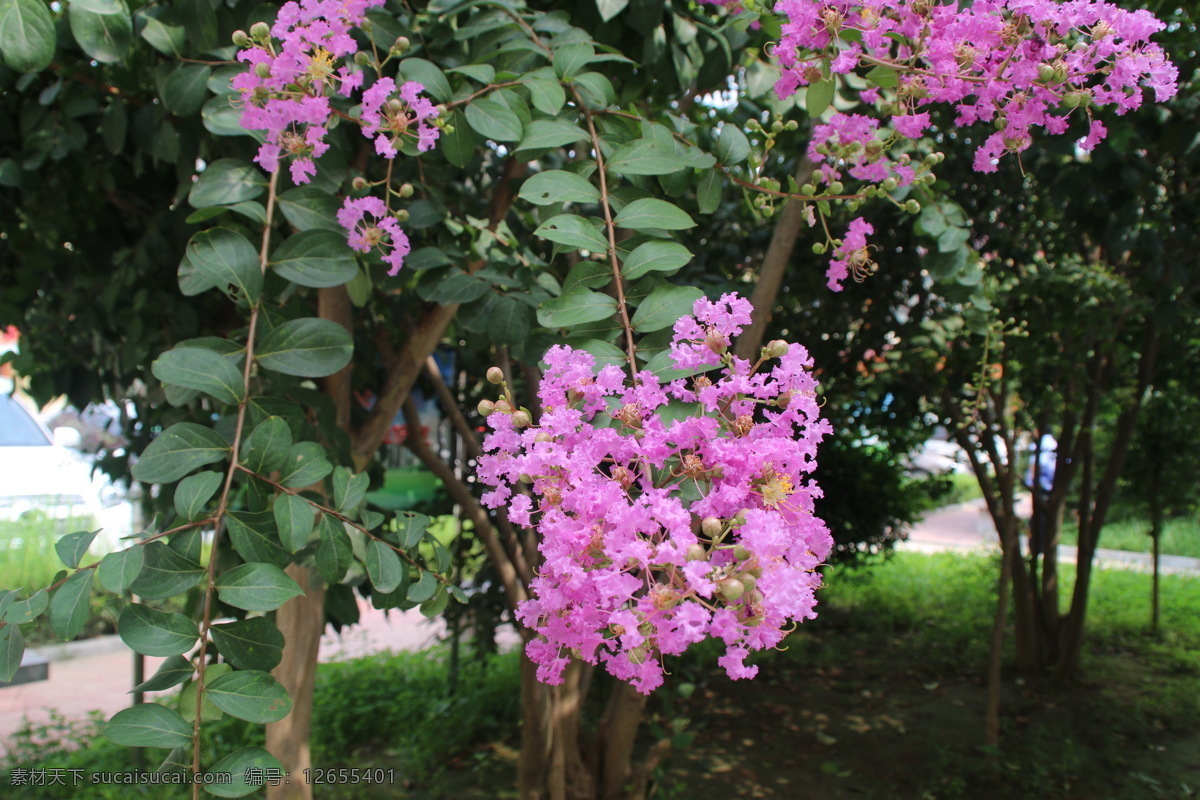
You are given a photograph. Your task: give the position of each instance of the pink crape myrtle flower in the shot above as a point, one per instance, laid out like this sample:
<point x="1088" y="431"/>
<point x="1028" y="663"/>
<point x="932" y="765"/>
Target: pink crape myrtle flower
<point x="1022" y="65"/>
<point x="851" y="257"/>
<point x="390" y="115"/>
<point x="668" y="513"/>
<point x="369" y="226"/>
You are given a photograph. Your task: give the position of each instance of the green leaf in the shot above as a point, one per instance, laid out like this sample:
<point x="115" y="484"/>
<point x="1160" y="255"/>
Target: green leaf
<point x="575" y="307"/>
<point x="148" y="725"/>
<point x="72" y="547"/>
<point x="294" y="519"/>
<point x="177" y="451"/>
<point x="172" y="672"/>
<point x="21" y="611"/>
<point x="664" y="306"/>
<point x="254" y="537"/>
<point x="26" y="35"/>
<point x="316" y="258"/>
<point x="645" y="157"/>
<point x="203" y="370"/>
<point x="12" y="647"/>
<point x="547" y="96"/>
<point x="349" y="489"/>
<point x="455" y="286"/>
<point x="732" y="145"/>
<point x="225" y="258"/>
<point x="650" y="213"/>
<point x="573" y="231"/>
<point x="69" y="606"/>
<point x="383" y="566"/>
<point x="165" y="573"/>
<point x="570" y="59"/>
<point x="558" y="186"/>
<point x="117" y="571"/>
<point x="459" y="144"/>
<point x="610" y="8"/>
<point x="655" y="256"/>
<point x="246" y="766"/>
<point x="588" y="274"/>
<point x="166" y="39"/>
<point x="435" y="605"/>
<point x="156" y="633"/>
<point x="250" y="695"/>
<point x="186" y="88"/>
<point x="193" y="493"/>
<point x="428" y="75"/>
<point x="423" y="589"/>
<point x="544" y="134"/>
<point x="200" y="22"/>
<point x="268" y="447"/>
<point x="818" y="97"/>
<point x="492" y="120"/>
<point x="482" y="73"/>
<point x="883" y="77"/>
<point x="597" y="91"/>
<point x="187" y="698"/>
<point x="305" y="466"/>
<point x="664" y="368"/>
<point x="253" y="643"/>
<point x="257" y="587"/>
<point x="308" y="208"/>
<point x="103" y="36"/>
<point x="225" y="182"/>
<point x="306" y="348"/>
<point x="708" y="193"/>
<point x="604" y="352"/>
<point x="334" y="551"/>
<point x="508" y="321"/>
<point x="413" y="527"/>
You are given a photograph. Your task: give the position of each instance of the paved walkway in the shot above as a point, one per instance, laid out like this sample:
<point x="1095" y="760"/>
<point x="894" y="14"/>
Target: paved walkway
<point x="98" y="673"/>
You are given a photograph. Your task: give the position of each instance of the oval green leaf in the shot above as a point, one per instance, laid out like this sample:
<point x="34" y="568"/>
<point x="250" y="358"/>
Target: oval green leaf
<point x="316" y="258"/>
<point x="203" y="370"/>
<point x="575" y="307"/>
<point x="306" y="348"/>
<point x="250" y="695"/>
<point x="650" y="212"/>
<point x="148" y="725"/>
<point x="177" y="451"/>
<point x="257" y="587"/>
<point x="156" y="633"/>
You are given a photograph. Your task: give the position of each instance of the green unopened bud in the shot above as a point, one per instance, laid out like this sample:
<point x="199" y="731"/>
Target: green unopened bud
<point x="697" y="553"/>
<point x="262" y="70"/>
<point x="808" y="189"/>
<point x="731" y="589"/>
<point x="836" y="187"/>
<point x="1073" y="99"/>
<point x="523" y="478"/>
<point x="359" y="183"/>
<point x="912" y="206"/>
<point x="406" y="190"/>
<point x="711" y="527"/>
<point x="792" y="125"/>
<point x="741" y="552"/>
<point x="521" y="419"/>
<point x="777" y="348"/>
<point x="542" y="437"/>
<point x="776" y="127"/>
<point x="768" y="211"/>
<point x="362" y="58"/>
<point x="819" y="248"/>
<point x="260" y="31"/>
<point x="784" y="400"/>
<point x="486" y="408"/>
<point x="740" y="517"/>
<point x="401" y="215"/>
<point x="502" y="406"/>
<point x="931" y="160"/>
<point x="495" y="375"/>
<point x="890" y="184"/>
<point x="396" y="105"/>
<point x="241" y="39"/>
<point x="1045" y="73"/>
<point x="749" y="581"/>
<point x="401" y="44"/>
<point x="1060" y="73"/>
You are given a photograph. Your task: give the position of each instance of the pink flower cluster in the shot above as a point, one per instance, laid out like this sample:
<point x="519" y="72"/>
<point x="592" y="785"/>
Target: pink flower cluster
<point x="667" y="513"/>
<point x="371" y="227"/>
<point x="390" y="115"/>
<point x="1020" y="64"/>
<point x="851" y="257"/>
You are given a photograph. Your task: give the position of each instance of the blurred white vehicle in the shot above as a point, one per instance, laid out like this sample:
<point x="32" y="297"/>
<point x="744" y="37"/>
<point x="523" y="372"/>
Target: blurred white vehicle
<point x="937" y="457"/>
<point x="42" y="472"/>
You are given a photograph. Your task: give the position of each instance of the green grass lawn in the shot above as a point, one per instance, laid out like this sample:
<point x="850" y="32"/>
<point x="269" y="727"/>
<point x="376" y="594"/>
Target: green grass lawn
<point x="1180" y="536"/>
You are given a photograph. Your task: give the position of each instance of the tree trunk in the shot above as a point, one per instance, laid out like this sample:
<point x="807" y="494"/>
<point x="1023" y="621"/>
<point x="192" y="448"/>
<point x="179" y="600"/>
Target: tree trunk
<point x="991" y="717"/>
<point x="301" y="620"/>
<point x="557" y="762"/>
<point x="1156" y="538"/>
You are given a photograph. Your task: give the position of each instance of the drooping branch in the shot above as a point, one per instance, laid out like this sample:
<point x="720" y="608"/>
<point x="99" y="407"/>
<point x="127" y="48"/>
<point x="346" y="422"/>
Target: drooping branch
<point x="790" y="222"/>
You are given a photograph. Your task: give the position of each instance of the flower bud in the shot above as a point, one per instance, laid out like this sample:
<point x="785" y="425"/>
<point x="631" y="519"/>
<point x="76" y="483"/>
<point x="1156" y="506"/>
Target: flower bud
<point x="362" y="58"/>
<point x="395" y="105"/>
<point x="401" y="215"/>
<point x="697" y="553"/>
<point x="260" y="31"/>
<point x="401" y="44"/>
<point x="1045" y="73"/>
<point x="262" y="70"/>
<point x="776" y="127"/>
<point x="784" y="400"/>
<point x="406" y="190"/>
<point x="502" y="406"/>
<point x="890" y="184"/>
<point x="486" y="408"/>
<point x="777" y="348"/>
<point x="711" y="527"/>
<point x="836" y="187"/>
<point x="542" y="437"/>
<point x="818" y="248"/>
<point x="495" y="375"/>
<point x="523" y="478"/>
<point x="749" y="581"/>
<point x="521" y="419"/>
<point x="731" y="589"/>
<point x="359" y="183"/>
<point x="241" y="39"/>
<point x="912" y="206"/>
<point x="741" y="552"/>
<point x="792" y="125"/>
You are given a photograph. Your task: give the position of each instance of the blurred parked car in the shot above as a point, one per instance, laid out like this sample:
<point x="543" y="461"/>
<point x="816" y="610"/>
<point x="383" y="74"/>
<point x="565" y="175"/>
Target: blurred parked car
<point x="43" y="472"/>
<point x="937" y="457"/>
